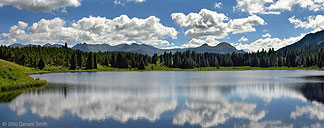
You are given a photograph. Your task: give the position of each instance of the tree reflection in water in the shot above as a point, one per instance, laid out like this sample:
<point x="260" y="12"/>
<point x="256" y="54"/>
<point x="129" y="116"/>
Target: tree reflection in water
<point x="204" y="105"/>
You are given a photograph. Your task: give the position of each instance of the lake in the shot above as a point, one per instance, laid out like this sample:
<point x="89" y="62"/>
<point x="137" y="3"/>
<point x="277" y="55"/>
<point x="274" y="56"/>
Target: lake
<point x="170" y="99"/>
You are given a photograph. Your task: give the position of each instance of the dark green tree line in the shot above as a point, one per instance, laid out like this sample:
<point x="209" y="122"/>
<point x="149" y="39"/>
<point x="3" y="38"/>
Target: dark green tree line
<point x="305" y="57"/>
<point x="39" y="57"/>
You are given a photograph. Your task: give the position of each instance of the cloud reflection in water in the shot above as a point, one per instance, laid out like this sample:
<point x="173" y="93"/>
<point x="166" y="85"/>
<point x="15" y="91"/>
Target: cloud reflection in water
<point x="143" y="103"/>
<point x="208" y="107"/>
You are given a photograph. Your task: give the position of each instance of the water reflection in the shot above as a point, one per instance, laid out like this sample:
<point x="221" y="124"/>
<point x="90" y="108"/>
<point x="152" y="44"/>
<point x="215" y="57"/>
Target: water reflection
<point x="311" y="91"/>
<point x="208" y="107"/>
<point x="205" y="106"/>
<point x="314" y="93"/>
<point x="117" y="103"/>
<point x="212" y="113"/>
<point x="187" y="99"/>
<point x="316" y="111"/>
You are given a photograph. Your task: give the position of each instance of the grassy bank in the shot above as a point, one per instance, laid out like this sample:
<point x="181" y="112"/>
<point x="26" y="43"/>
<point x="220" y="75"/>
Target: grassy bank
<point x="13" y="77"/>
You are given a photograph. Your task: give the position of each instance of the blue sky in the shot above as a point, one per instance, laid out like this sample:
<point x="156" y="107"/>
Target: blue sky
<point x="285" y="21"/>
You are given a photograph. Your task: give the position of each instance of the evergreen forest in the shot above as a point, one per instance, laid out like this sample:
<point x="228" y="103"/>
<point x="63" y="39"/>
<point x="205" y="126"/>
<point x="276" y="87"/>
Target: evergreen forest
<point x="39" y="57"/>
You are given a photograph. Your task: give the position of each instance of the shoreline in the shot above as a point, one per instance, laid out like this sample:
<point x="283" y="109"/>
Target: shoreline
<point x="148" y="69"/>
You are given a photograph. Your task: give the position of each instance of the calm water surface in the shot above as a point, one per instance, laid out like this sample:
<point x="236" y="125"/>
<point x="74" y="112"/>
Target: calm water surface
<point x="172" y="99"/>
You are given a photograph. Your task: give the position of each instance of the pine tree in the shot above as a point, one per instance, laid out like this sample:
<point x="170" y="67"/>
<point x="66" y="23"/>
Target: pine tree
<point x="95" y="63"/>
<point x="106" y="63"/>
<point x="67" y="61"/>
<point x="155" y="58"/>
<point x="141" y="65"/>
<point x="90" y="61"/>
<point x="113" y="60"/>
<point x="291" y="59"/>
<point x="121" y="61"/>
<point x="41" y="64"/>
<point x="216" y="63"/>
<point x="308" y="64"/>
<point x="146" y="59"/>
<point x="73" y="62"/>
<point x="80" y="60"/>
<point x="280" y="64"/>
<point x="22" y="60"/>
<point x="319" y="64"/>
<point x="65" y="45"/>
<point x="133" y="63"/>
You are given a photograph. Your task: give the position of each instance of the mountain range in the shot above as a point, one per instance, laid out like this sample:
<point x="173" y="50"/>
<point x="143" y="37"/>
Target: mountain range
<point x="312" y="39"/>
<point x="221" y="48"/>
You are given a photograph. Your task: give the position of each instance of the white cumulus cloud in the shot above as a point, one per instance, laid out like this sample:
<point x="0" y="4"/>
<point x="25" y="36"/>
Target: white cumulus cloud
<point x="207" y="26"/>
<point x="206" y="23"/>
<point x="40" y="5"/>
<point x="276" y="7"/>
<point x="243" y="39"/>
<point x="115" y="31"/>
<point x="244" y="25"/>
<point x="314" y="22"/>
<point x="313" y="5"/>
<point x="268" y="43"/>
<point x="117" y="2"/>
<point x="210" y="24"/>
<point x="254" y="6"/>
<point x="218" y="5"/>
<point x="267" y="35"/>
